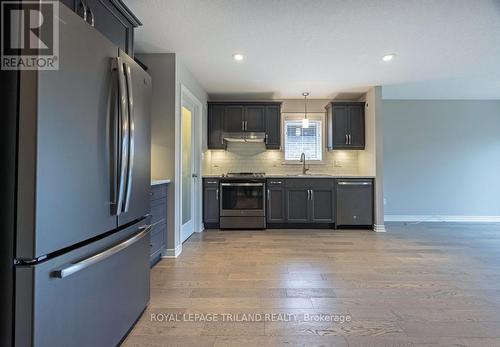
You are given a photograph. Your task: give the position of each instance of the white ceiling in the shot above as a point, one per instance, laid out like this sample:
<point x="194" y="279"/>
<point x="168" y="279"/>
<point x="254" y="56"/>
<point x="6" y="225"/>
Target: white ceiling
<point x="329" y="46"/>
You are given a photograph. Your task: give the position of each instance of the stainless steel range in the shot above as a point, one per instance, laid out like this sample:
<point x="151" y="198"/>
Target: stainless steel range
<point x="242" y="203"/>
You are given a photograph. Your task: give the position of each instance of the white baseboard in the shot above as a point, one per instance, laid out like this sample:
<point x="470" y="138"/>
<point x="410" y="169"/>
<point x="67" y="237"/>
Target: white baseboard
<point x="379" y="228"/>
<point x="173" y="253"/>
<point x="441" y="218"/>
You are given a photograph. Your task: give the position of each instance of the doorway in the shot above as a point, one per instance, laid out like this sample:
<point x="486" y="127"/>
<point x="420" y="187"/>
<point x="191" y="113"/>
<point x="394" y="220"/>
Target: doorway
<point x="190" y="211"/>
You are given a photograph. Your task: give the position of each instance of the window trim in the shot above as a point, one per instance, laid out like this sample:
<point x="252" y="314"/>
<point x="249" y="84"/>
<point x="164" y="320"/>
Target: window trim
<point x="318" y="116"/>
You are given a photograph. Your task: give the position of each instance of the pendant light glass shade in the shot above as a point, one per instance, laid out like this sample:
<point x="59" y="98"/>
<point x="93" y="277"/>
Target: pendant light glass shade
<point x="305" y="121"/>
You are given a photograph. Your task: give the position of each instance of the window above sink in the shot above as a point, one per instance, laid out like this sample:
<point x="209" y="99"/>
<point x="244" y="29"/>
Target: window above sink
<point x="299" y="140"/>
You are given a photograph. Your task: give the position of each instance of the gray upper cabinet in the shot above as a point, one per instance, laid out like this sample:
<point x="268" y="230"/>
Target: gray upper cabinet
<point x="110" y="17"/>
<point x="345" y="125"/>
<point x="354" y="202"/>
<point x="216" y="115"/>
<point x="273" y="127"/>
<point x="234" y="119"/>
<point x="255" y="118"/>
<point x="239" y="117"/>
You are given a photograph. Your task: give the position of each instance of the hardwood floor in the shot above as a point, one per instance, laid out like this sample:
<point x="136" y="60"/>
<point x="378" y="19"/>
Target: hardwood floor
<point x="416" y="285"/>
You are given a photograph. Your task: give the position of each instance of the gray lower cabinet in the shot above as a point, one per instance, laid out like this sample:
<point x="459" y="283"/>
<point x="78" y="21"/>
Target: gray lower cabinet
<point x="159" y="221"/>
<point x="276" y="201"/>
<point x="322" y="200"/>
<point x="211" y="202"/>
<point x="310" y="200"/>
<point x="300" y="201"/>
<point x="354" y="202"/>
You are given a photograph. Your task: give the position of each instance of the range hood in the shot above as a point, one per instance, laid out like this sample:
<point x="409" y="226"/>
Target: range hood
<point x="244" y="137"/>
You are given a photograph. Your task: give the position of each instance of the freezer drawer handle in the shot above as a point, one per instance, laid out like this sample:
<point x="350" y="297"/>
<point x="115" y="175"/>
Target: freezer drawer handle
<point x="83" y="264"/>
<point x="355" y="183"/>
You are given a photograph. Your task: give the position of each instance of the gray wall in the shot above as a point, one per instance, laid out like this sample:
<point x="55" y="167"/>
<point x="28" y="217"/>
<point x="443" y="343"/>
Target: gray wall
<point x="161" y="68"/>
<point x="168" y="73"/>
<point x="441" y="157"/>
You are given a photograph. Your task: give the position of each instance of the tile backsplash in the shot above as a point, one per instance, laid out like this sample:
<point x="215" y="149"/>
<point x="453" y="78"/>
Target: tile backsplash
<point x="253" y="157"/>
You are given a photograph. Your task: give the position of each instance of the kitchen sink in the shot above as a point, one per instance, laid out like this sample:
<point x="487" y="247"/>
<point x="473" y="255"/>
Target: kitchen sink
<point x="308" y="175"/>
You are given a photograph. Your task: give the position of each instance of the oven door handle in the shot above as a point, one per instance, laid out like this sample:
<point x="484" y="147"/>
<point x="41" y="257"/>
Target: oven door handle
<point x="242" y="184"/>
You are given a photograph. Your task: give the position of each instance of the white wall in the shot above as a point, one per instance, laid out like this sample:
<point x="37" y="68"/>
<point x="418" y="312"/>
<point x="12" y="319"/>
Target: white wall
<point x="441" y="158"/>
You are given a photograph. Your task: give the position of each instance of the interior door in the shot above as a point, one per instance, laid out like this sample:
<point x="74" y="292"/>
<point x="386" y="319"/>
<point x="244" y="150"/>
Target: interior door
<point x="188" y="170"/>
<point x="255" y="118"/>
<point x="139" y="174"/>
<point x="64" y="144"/>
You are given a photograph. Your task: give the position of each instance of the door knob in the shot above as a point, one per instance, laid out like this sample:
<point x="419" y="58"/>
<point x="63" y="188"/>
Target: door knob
<point x="194" y="175"/>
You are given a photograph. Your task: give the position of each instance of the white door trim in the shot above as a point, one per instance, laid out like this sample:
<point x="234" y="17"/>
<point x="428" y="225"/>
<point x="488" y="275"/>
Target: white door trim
<point x="197" y="143"/>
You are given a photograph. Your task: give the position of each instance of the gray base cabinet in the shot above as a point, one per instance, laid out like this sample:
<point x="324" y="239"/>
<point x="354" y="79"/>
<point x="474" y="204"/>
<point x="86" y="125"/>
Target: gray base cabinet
<point x="211" y="202"/>
<point x="159" y="222"/>
<point x="276" y="201"/>
<point x="354" y="202"/>
<point x="301" y="201"/>
<point x="310" y="200"/>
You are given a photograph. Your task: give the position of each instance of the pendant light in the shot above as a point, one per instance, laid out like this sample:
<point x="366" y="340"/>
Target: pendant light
<point x="305" y="121"/>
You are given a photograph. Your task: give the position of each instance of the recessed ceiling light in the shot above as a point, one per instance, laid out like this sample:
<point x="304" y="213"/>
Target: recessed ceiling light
<point x="388" y="57"/>
<point x="238" y="56"/>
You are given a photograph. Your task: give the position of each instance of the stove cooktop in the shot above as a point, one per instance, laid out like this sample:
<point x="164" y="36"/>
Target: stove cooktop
<point x="244" y="175"/>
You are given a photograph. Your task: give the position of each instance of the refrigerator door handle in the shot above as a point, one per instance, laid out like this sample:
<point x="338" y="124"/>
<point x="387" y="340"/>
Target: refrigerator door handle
<point x="123" y="133"/>
<point x="130" y="99"/>
<point x="83" y="264"/>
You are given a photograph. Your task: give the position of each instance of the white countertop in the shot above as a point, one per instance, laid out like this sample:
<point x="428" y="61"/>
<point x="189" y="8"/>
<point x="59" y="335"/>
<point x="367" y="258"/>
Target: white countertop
<point x="319" y="176"/>
<point x="304" y="176"/>
<point x="155" y="182"/>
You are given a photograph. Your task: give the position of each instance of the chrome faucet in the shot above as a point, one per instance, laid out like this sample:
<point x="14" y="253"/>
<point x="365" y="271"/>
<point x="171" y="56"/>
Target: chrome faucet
<point x="303" y="161"/>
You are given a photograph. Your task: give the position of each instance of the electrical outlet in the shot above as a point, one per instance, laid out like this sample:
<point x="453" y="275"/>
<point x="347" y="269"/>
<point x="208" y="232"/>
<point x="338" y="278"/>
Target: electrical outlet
<point x="337" y="163"/>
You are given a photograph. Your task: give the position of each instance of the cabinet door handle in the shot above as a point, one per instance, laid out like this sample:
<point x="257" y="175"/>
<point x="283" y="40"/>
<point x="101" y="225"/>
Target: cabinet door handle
<point x="268" y="194"/>
<point x="242" y="125"/>
<point x="265" y="140"/>
<point x="346" y="139"/>
<point x="84" y="6"/>
<point x="308" y="196"/>
<point x="92" y="21"/>
<point x="350" y="139"/>
<point x="217" y="194"/>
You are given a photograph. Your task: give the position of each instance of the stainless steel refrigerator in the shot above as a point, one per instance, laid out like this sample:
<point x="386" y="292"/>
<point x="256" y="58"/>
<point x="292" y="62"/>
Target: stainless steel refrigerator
<point x="79" y="275"/>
